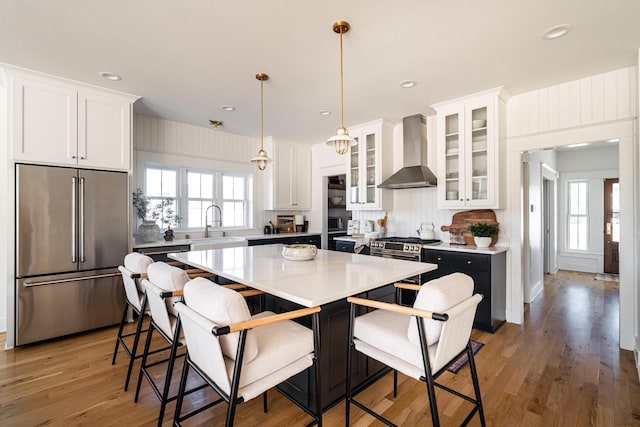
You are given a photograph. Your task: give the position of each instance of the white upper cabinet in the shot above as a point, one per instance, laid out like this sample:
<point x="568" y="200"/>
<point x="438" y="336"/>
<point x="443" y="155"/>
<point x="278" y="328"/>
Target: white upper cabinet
<point x="368" y="164"/>
<point x="56" y="122"/>
<point x="288" y="177"/>
<point x="471" y="151"/>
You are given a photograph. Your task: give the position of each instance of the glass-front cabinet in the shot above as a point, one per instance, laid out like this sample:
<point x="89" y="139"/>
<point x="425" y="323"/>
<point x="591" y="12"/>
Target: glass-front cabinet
<point x="368" y="164"/>
<point x="469" y="152"/>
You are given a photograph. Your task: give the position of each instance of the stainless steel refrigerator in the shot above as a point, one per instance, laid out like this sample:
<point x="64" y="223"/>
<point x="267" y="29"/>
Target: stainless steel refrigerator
<point x="71" y="234"/>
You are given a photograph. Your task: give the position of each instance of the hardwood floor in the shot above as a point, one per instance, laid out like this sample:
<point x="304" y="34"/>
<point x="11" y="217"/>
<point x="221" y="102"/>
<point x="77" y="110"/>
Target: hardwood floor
<point x="561" y="367"/>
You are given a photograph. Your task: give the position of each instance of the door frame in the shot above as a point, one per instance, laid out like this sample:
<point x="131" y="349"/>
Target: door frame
<point x="549" y="180"/>
<point x="624" y="131"/>
<point x="607" y="207"/>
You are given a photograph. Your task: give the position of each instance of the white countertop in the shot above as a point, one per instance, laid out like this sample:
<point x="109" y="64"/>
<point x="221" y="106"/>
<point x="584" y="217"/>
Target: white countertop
<point x="177" y="242"/>
<point x="329" y="277"/>
<point x="467" y="248"/>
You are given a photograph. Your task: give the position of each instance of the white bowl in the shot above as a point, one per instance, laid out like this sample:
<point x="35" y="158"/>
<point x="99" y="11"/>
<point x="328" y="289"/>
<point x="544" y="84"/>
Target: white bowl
<point x="477" y="124"/>
<point x="299" y="252"/>
<point x="336" y="200"/>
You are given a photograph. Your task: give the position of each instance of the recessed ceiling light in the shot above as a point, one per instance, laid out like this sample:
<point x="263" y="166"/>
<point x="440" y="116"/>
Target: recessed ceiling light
<point x="109" y="76"/>
<point x="408" y="83"/>
<point x="228" y="107"/>
<point x="556" y="31"/>
<point x="582" y="144"/>
<point x="325" y="112"/>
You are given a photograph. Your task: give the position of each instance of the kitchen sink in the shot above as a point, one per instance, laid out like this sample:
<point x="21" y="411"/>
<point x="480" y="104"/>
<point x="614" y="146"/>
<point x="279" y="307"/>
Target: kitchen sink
<point x="218" y="243"/>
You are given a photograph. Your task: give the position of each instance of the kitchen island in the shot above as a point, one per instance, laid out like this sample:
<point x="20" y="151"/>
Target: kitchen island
<point x="326" y="281"/>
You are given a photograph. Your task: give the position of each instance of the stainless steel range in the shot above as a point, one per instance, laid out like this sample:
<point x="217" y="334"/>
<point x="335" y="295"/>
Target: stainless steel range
<point x="407" y="248"/>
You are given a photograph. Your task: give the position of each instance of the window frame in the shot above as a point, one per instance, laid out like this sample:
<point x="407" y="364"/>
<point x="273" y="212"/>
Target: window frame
<point x="569" y="215"/>
<point x="182" y="194"/>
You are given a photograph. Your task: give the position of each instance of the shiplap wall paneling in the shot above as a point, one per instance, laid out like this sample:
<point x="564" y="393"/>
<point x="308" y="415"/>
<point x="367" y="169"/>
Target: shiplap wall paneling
<point x="601" y="98"/>
<point x="169" y="137"/>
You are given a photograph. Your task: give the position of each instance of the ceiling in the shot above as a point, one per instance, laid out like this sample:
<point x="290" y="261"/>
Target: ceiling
<point x="187" y="58"/>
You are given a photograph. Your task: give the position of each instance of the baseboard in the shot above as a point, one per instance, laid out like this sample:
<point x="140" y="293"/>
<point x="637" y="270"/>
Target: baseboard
<point x="636" y="354"/>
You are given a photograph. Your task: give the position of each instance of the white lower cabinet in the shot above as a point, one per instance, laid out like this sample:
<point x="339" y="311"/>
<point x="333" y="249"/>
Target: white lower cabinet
<point x="471" y="157"/>
<point x="288" y="177"/>
<point x="59" y="123"/>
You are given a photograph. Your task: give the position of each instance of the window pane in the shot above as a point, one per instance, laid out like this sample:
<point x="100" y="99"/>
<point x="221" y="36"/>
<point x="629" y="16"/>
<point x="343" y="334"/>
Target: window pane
<point x="227" y="187"/>
<point x="615" y="197"/>
<point x="153" y="183"/>
<point x="195" y="214"/>
<point x="238" y="188"/>
<point x="577" y="198"/>
<point x="577" y="233"/>
<point x="233" y="214"/>
<point x="168" y="183"/>
<point x="207" y="186"/>
<point x="193" y="185"/>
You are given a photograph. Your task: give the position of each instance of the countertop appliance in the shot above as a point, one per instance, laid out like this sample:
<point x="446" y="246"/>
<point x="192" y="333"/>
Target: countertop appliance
<point x="71" y="234"/>
<point x="335" y="223"/>
<point x="407" y="248"/>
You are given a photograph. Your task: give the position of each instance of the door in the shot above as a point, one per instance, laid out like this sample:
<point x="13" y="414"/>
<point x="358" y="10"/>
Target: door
<point x="611" y="225"/>
<point x="45" y="220"/>
<point x="103" y="213"/>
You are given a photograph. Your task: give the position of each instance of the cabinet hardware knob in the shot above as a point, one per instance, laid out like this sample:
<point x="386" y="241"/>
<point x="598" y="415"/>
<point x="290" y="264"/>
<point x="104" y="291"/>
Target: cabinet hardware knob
<point x="82" y="157"/>
<point x="467" y="200"/>
<point x="462" y="200"/>
<point x="468" y="262"/>
<point x="439" y="259"/>
<point x="73" y="157"/>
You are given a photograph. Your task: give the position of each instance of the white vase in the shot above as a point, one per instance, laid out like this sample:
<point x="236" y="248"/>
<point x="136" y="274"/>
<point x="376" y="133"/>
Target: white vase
<point x="482" y="242"/>
<point x="148" y="231"/>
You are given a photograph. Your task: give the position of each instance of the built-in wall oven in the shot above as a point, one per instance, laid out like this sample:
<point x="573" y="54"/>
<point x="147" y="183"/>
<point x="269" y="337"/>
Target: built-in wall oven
<point x="406" y="248"/>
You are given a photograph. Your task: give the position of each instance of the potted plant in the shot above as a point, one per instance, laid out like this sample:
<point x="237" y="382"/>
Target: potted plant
<point x="483" y="233"/>
<point x="149" y="215"/>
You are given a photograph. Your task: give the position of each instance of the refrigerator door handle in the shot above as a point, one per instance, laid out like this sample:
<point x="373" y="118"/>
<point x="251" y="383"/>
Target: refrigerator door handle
<point x="81" y="220"/>
<point x="73" y="220"/>
<point x="73" y="279"/>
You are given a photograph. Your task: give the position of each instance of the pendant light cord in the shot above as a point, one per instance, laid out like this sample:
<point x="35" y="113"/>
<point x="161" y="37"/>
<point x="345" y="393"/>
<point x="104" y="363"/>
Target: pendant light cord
<point x="341" y="85"/>
<point x="261" y="115"/>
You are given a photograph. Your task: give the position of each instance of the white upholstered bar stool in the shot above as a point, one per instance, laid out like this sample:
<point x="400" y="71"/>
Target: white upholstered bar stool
<point x="163" y="287"/>
<point x="135" y="266"/>
<point x="420" y="341"/>
<point x="242" y="356"/>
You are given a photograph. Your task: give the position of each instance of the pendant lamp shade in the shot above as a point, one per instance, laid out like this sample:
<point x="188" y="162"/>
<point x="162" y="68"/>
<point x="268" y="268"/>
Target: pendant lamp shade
<point x="261" y="160"/>
<point x="341" y="141"/>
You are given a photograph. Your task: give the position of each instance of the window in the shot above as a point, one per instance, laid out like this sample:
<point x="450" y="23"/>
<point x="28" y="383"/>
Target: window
<point x="193" y="191"/>
<point x="160" y="184"/>
<point x="578" y="218"/>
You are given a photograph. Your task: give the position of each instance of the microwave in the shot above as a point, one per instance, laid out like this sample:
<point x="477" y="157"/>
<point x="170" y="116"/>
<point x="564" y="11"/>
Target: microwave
<point x="335" y="223"/>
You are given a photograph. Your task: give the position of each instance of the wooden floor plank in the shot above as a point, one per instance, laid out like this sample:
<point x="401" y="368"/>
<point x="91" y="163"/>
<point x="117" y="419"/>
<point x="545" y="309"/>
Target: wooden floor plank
<point x="561" y="367"/>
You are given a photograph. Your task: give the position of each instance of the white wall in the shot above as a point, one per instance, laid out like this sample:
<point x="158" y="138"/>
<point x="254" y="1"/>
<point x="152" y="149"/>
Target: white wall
<point x="534" y="279"/>
<point x="593" y="165"/>
<point x="597" y="108"/>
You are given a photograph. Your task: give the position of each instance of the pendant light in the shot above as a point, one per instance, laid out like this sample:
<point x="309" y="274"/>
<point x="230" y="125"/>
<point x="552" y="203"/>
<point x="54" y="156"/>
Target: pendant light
<point x="261" y="159"/>
<point x="341" y="141"/>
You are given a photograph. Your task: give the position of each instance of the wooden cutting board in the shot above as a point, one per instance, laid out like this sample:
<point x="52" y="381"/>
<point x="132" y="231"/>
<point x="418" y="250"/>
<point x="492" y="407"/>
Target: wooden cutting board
<point x="461" y="220"/>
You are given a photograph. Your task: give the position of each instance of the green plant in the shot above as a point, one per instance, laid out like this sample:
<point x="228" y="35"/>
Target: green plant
<point x="483" y="229"/>
<point x="163" y="210"/>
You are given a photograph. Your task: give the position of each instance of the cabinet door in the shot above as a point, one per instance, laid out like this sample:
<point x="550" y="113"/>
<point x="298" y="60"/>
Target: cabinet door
<point x="301" y="190"/>
<point x="45" y="122"/>
<point x="282" y="176"/>
<point x="479" y="148"/>
<point x="104" y="138"/>
<point x="451" y="154"/>
<point x="364" y="169"/>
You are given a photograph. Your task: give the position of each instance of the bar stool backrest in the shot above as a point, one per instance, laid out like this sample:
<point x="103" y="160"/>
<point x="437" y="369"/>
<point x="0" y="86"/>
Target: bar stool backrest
<point x="134" y="263"/>
<point x="163" y="277"/>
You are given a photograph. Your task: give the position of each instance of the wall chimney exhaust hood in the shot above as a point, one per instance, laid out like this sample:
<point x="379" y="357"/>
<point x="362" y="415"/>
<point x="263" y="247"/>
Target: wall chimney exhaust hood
<point x="414" y="173"/>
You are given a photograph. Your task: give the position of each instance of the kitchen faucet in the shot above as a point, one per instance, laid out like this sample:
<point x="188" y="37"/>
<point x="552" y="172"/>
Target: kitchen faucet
<point x="206" y="223"/>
